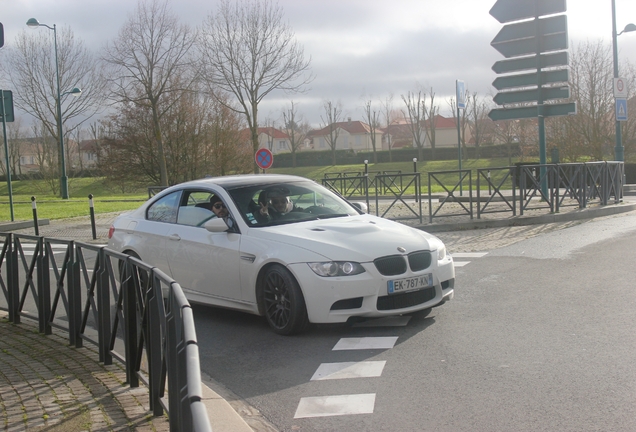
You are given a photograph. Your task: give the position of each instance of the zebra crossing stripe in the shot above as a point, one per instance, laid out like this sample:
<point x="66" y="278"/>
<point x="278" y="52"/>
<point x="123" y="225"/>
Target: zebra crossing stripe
<point x="466" y="255"/>
<point x="346" y="370"/>
<point x="469" y="254"/>
<point x="365" y="343"/>
<point x="326" y="406"/>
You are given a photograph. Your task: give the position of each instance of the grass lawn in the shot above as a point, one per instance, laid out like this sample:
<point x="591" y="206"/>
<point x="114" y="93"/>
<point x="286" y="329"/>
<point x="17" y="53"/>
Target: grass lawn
<point x="50" y="206"/>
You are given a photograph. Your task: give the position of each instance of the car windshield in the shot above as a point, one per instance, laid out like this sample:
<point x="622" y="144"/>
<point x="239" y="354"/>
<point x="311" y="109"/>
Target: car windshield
<point x="268" y="204"/>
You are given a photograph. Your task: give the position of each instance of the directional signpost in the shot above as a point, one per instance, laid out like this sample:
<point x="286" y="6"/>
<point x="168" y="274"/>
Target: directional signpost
<point x="532" y="43"/>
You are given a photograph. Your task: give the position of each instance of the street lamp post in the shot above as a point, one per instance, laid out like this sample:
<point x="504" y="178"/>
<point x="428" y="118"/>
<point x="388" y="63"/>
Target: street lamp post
<point x="618" y="150"/>
<point x="32" y="22"/>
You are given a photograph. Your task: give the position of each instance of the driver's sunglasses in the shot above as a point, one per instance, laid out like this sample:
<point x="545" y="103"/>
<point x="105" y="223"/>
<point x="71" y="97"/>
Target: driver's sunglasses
<point x="219" y="206"/>
<point x="279" y="201"/>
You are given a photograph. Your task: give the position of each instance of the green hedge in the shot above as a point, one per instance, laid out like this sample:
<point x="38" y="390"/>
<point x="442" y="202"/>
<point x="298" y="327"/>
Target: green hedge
<point x="349" y="157"/>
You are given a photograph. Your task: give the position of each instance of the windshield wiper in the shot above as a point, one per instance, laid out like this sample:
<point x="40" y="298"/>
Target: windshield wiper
<point x="332" y="215"/>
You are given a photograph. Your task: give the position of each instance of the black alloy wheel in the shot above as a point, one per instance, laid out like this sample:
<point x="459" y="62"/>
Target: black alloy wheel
<point x="283" y="301"/>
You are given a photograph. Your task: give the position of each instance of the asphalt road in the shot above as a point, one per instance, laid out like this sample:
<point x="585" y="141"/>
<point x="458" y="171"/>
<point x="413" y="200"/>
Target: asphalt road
<point x="539" y="337"/>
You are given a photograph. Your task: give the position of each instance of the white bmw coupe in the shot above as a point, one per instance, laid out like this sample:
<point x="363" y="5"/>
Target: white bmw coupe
<point x="287" y="248"/>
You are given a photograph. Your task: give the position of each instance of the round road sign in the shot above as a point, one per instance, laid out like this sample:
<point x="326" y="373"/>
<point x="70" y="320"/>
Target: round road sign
<point x="264" y="158"/>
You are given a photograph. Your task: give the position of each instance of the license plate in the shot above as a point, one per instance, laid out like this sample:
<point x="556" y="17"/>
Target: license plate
<point x="410" y="284"/>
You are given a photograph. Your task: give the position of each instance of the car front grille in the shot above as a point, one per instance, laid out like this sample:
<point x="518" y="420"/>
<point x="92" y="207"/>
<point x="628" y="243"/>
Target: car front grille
<point x="419" y="261"/>
<point x="401" y="301"/>
<point x="393" y="265"/>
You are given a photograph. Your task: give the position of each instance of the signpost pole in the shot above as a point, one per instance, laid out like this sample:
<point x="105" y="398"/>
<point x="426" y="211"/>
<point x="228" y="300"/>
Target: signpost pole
<point x="6" y="154"/>
<point x="618" y="149"/>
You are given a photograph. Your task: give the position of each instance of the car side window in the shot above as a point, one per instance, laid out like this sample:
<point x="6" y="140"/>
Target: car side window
<point x="164" y="209"/>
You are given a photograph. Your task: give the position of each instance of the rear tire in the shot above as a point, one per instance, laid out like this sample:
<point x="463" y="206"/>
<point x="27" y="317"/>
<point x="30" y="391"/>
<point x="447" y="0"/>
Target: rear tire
<point x="282" y="301"/>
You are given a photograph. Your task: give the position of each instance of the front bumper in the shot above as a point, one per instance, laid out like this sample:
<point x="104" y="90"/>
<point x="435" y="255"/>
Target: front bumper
<point x="335" y="300"/>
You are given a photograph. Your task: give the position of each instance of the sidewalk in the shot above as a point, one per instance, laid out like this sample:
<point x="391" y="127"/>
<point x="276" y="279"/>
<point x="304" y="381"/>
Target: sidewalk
<point x="46" y="385"/>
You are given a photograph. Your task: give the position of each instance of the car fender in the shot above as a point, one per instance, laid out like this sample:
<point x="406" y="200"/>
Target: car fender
<point x="257" y="254"/>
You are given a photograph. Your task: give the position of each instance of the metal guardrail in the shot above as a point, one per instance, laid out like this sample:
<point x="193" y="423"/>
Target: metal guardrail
<point x="526" y="187"/>
<point x="496" y="184"/>
<point x="389" y="186"/>
<point x="121" y="298"/>
<point x="461" y="175"/>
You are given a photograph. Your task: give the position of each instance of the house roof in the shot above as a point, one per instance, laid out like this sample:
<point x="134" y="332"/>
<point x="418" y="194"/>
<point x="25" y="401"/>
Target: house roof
<point x="89" y="145"/>
<point x="272" y="132"/>
<point x="352" y="127"/>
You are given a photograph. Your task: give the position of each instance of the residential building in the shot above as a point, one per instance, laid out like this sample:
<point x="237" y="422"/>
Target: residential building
<point x="351" y="135"/>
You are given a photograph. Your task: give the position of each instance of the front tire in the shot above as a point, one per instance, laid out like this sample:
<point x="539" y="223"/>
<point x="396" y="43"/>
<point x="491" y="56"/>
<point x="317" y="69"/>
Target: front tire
<point x="283" y="302"/>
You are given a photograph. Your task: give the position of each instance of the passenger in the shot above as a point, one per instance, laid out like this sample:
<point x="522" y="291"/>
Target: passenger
<point x="218" y="207"/>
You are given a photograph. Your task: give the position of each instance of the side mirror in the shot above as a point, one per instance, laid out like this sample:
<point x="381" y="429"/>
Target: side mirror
<point x="216" y="225"/>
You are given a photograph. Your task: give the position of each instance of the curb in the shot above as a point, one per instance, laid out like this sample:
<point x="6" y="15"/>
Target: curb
<point x="12" y="226"/>
<point x="575" y="215"/>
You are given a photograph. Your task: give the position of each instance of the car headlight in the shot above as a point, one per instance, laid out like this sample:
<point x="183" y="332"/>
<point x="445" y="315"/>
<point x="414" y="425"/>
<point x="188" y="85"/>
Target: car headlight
<point x="336" y="268"/>
<point x="441" y="253"/>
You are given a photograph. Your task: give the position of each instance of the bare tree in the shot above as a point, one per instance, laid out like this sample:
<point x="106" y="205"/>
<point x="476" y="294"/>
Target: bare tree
<point x="295" y="129"/>
<point x="152" y="66"/>
<point x="46" y="157"/>
<point x="333" y="115"/>
<point x="248" y="51"/>
<point x="30" y="67"/>
<point x="416" y="113"/>
<point x="15" y="136"/>
<point x="477" y="113"/>
<point x="372" y="118"/>
<point x="430" y="113"/>
<point x="389" y="118"/>
<point x="591" y="87"/>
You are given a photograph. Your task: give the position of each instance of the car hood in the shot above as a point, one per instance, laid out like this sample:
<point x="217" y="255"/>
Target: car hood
<point x="358" y="238"/>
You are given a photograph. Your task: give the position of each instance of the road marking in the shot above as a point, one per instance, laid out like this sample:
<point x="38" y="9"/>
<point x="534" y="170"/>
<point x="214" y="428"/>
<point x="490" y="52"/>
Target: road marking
<point x="466" y="255"/>
<point x="392" y="321"/>
<point x="325" y="406"/>
<point x="346" y="370"/>
<point x="365" y="343"/>
<point x="469" y="254"/>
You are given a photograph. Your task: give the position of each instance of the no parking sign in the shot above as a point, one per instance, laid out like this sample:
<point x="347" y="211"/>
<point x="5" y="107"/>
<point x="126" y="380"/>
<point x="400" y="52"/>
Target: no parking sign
<point x="264" y="158"/>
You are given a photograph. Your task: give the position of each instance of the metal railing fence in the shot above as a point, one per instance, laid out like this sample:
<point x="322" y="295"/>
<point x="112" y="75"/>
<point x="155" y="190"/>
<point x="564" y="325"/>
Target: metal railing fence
<point x="104" y="297"/>
<point x="518" y="188"/>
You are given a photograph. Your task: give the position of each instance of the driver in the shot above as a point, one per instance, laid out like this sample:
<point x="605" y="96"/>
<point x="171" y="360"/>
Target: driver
<point x="274" y="203"/>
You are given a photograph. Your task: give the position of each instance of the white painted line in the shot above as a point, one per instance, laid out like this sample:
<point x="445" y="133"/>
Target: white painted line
<point x="365" y="343"/>
<point x="346" y="370"/>
<point x="469" y="254"/>
<point x="326" y="406"/>
<point x="392" y="321"/>
<point x="460" y="263"/>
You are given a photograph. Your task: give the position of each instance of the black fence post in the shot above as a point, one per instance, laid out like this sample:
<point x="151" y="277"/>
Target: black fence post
<point x="103" y="308"/>
<point x="13" y="285"/>
<point x="92" y="211"/>
<point x="129" y="286"/>
<point x="35" y="216"/>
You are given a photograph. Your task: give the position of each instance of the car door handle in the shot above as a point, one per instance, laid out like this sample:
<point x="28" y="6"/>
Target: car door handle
<point x="174" y="237"/>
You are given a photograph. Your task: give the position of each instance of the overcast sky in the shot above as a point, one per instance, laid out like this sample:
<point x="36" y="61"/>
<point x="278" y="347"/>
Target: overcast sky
<point x="360" y="49"/>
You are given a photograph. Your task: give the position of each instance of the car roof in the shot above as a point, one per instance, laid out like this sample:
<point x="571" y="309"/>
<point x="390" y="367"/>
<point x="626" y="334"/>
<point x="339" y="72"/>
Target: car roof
<point x="242" y="180"/>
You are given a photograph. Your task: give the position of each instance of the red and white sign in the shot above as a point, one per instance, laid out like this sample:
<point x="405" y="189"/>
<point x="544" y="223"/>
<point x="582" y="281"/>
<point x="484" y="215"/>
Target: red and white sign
<point x="620" y="88"/>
